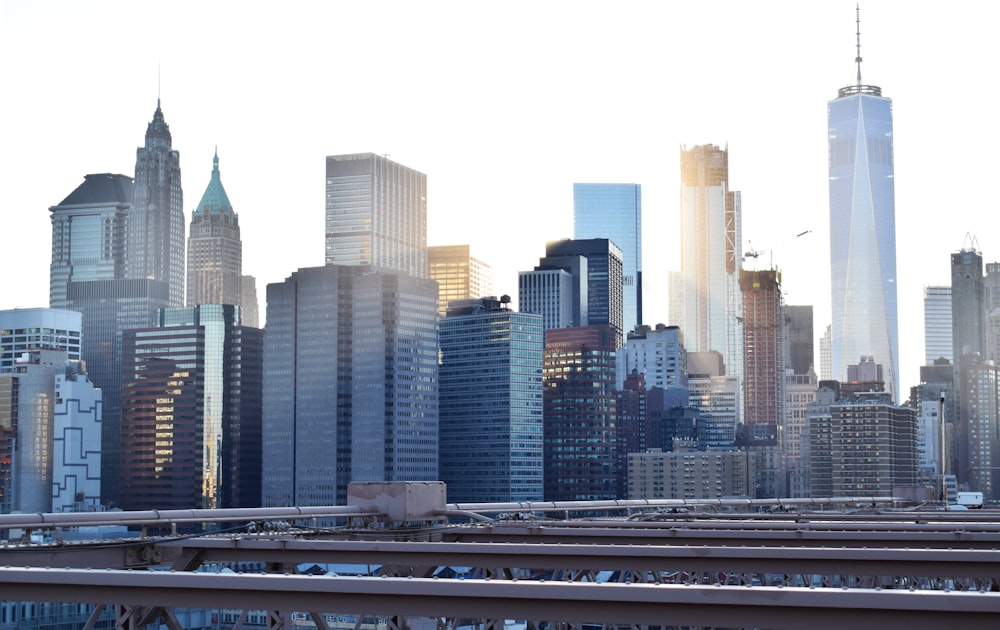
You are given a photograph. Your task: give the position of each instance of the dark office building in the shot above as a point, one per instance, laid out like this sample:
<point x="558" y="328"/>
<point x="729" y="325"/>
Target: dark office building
<point x="579" y="410"/>
<point x="604" y="279"/>
<point x="191" y="411"/>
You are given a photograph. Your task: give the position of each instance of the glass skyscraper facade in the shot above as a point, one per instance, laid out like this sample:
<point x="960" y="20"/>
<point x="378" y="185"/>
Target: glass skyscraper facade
<point x="937" y="324"/>
<point x="491" y="403"/>
<point x="460" y="275"/>
<point x="708" y="304"/>
<point x="156" y="222"/>
<point x="90" y="232"/>
<point x="614" y="211"/>
<point x="191" y="411"/>
<point x="580" y="410"/>
<point x="603" y="272"/>
<point x="863" y="232"/>
<point x="350" y="383"/>
<point x="376" y="214"/>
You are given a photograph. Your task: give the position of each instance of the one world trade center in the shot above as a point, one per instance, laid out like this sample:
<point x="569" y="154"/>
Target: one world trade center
<point x="863" y="231"/>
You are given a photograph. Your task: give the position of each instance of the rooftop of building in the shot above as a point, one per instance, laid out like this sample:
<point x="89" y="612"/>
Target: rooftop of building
<point x="101" y="188"/>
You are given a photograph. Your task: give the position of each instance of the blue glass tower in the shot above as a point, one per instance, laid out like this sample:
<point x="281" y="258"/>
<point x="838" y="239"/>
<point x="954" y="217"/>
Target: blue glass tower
<point x="862" y="230"/>
<point x="491" y="402"/>
<point x="614" y="211"/>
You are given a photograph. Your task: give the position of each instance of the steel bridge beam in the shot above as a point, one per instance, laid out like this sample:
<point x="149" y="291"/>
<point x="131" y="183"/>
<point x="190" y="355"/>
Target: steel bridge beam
<point x="674" y="605"/>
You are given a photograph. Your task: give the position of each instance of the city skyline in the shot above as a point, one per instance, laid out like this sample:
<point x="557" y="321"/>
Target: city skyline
<point x="554" y="115"/>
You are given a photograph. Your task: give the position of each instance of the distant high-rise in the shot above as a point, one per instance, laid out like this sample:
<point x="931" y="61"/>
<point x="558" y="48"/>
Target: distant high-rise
<point x="711" y="254"/>
<point x="557" y="290"/>
<point x="350" y="383"/>
<point x="491" y="402"/>
<point x="460" y="276"/>
<point x="579" y="399"/>
<point x="865" y="446"/>
<point x="937" y="324"/>
<point x="614" y="211"/>
<point x="26" y="329"/>
<point x="376" y="214"/>
<point x="50" y="449"/>
<point x="717" y="396"/>
<point x="90" y="232"/>
<point x="763" y="355"/>
<point x="215" y="251"/>
<point x="603" y="277"/>
<point x="156" y="222"/>
<point x="191" y="411"/>
<point x="657" y="353"/>
<point x="799" y="339"/>
<point x="863" y="230"/>
<point x="968" y="318"/>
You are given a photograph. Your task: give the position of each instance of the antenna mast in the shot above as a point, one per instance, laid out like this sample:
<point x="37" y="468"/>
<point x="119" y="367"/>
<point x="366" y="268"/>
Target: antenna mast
<point x="857" y="10"/>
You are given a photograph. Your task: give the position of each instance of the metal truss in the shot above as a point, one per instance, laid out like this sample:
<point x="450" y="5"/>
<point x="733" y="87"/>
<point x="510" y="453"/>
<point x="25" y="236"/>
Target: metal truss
<point x="645" y="568"/>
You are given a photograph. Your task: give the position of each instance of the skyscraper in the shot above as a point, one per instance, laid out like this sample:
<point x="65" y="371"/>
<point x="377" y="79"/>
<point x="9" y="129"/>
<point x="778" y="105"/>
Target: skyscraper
<point x="90" y="246"/>
<point x="491" y="402"/>
<point x="862" y="230"/>
<point x="764" y="370"/>
<point x="191" y="411"/>
<point x="937" y="324"/>
<point x="50" y="416"/>
<point x="614" y="211"/>
<point x="350" y="383"/>
<point x="376" y="214"/>
<point x="215" y="252"/>
<point x="460" y="275"/>
<point x="156" y="222"/>
<point x="579" y="398"/>
<point x="799" y="338"/>
<point x="711" y="253"/>
<point x="968" y="317"/>
<point x="603" y="277"/>
<point x="763" y="355"/>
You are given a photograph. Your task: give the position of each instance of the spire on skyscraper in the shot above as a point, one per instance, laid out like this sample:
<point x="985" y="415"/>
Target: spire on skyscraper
<point x="857" y="59"/>
<point x="215" y="198"/>
<point x="858" y="87"/>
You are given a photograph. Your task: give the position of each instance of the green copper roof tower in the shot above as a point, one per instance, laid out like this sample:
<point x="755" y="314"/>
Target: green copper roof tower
<point x="215" y="251"/>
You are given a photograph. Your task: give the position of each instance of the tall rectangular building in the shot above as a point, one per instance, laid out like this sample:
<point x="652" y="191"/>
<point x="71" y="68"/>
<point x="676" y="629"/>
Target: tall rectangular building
<point x="614" y="212"/>
<point x="763" y="353"/>
<point x="968" y="317"/>
<point x="580" y="402"/>
<point x="376" y="214"/>
<point x="350" y="383"/>
<point x="799" y="339"/>
<point x="491" y="402"/>
<point x="460" y="276"/>
<point x="937" y="324"/>
<point x="603" y="278"/>
<point x="863" y="230"/>
<point x="191" y="411"/>
<point x="711" y="254"/>
<point x="91" y="229"/>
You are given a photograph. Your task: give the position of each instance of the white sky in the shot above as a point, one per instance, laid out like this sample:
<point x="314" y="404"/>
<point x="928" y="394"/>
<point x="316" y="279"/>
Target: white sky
<point x="504" y="105"/>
